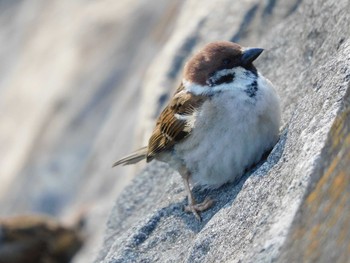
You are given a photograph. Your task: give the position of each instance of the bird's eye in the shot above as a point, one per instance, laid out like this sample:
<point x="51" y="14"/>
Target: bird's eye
<point x="226" y="61"/>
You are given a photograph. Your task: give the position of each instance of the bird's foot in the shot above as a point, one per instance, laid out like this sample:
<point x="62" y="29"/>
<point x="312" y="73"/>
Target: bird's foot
<point x="196" y="208"/>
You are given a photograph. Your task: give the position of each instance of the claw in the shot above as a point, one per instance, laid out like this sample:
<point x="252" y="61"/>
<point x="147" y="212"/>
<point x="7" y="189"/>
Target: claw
<point x="195" y="208"/>
<point x="192" y="207"/>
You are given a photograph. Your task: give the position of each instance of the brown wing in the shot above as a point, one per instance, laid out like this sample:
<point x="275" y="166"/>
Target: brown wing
<point x="170" y="129"/>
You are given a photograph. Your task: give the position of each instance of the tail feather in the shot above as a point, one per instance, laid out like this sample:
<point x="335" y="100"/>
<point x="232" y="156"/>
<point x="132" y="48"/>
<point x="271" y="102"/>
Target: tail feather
<point x="133" y="158"/>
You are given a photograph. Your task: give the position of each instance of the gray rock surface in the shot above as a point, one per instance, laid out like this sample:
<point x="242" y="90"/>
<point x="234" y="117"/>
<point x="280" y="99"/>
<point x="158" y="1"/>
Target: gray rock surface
<point x="278" y="211"/>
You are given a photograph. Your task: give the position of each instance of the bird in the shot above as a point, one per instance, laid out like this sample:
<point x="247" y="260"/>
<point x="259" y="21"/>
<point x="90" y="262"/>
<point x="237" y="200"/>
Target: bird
<point x="223" y="117"/>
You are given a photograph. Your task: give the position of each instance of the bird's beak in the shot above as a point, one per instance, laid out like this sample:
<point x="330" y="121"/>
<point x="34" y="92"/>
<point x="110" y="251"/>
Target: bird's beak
<point x="250" y="54"/>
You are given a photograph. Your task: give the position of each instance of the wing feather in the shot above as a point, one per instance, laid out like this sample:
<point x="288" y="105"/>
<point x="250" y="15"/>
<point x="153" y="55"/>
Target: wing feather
<point x="171" y="129"/>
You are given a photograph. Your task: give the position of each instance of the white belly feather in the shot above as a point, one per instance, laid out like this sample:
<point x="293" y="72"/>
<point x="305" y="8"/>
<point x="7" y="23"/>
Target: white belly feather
<point x="231" y="132"/>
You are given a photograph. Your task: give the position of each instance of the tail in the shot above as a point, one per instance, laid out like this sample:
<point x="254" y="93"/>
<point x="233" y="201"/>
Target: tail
<point x="133" y="158"/>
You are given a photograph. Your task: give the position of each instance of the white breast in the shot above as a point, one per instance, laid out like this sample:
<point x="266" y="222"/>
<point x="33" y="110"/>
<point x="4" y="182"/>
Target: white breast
<point x="231" y="132"/>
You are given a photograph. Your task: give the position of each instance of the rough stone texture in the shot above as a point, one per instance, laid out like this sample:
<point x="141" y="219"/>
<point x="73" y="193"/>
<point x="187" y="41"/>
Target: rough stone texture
<point x="293" y="206"/>
<point x="320" y="232"/>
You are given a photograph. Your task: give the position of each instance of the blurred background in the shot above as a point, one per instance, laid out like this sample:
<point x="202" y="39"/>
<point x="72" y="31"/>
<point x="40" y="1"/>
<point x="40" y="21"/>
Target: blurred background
<point x="70" y="86"/>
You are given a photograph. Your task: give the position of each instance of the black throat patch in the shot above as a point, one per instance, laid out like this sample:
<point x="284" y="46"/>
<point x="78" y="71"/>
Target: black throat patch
<point x="251" y="89"/>
<point x="221" y="80"/>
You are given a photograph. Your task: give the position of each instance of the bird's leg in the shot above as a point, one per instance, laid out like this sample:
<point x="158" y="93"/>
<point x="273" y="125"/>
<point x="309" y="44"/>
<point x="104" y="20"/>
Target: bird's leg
<point x="192" y="206"/>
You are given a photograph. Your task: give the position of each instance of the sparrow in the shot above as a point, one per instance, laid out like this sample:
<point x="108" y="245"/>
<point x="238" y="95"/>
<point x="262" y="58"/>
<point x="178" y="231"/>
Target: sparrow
<point x="220" y="121"/>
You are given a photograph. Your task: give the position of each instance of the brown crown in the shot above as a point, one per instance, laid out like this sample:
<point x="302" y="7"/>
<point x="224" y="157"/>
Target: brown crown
<point x="213" y="57"/>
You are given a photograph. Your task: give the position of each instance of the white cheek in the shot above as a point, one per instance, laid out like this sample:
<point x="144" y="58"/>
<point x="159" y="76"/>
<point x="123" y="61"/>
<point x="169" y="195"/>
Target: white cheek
<point x="195" y="89"/>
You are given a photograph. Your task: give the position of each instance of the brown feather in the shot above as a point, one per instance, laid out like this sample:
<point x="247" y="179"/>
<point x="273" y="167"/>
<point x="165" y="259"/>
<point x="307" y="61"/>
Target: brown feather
<point x="169" y="129"/>
<point x="207" y="61"/>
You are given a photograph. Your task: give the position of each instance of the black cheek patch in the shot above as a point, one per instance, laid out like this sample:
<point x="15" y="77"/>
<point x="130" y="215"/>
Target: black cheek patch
<point x="252" y="89"/>
<point x="223" y="79"/>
